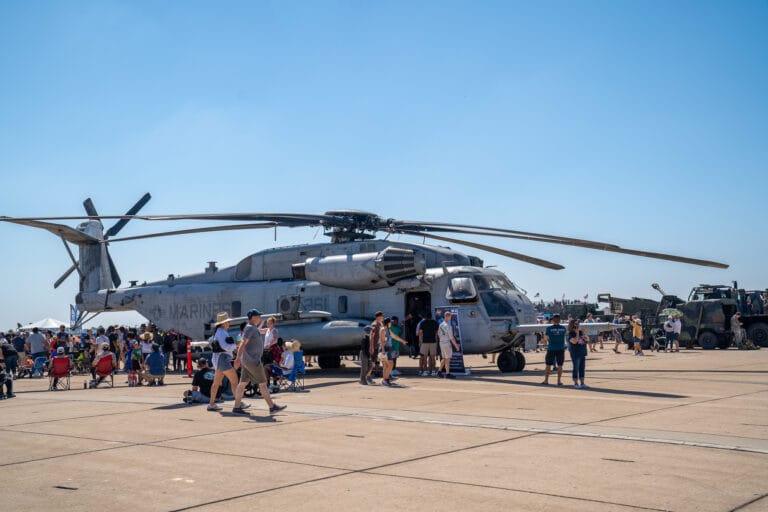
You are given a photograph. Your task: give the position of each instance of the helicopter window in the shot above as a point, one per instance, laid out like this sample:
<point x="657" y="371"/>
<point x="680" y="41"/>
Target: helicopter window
<point x="496" y="304"/>
<point x="237" y="308"/>
<point x="461" y="289"/>
<point x="243" y="270"/>
<point x="492" y="282"/>
<point x="343" y="304"/>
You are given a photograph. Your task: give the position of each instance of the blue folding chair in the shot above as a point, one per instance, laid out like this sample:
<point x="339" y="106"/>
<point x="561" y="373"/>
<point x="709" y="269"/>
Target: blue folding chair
<point x="296" y="377"/>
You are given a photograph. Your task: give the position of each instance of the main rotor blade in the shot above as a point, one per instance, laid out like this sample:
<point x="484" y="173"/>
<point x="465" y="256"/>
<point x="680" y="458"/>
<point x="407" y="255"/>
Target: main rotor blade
<point x="407" y="224"/>
<point x="587" y="244"/>
<point x="196" y="230"/>
<point x="572" y="242"/>
<point x="488" y="248"/>
<point x="295" y="219"/>
<point x="120" y="224"/>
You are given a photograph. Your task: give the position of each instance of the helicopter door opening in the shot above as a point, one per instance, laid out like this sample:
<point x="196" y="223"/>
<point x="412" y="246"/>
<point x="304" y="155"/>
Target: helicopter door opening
<point x="418" y="303"/>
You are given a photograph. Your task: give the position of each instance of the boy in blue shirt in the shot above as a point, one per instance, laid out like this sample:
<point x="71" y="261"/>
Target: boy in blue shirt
<point x="155" y="365"/>
<point x="555" y="350"/>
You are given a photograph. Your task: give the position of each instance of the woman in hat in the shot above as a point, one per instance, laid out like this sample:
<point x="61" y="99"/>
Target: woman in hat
<point x="222" y="361"/>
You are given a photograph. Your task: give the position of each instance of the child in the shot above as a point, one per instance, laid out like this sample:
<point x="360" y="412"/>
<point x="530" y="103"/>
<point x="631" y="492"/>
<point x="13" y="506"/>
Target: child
<point x="134" y="378"/>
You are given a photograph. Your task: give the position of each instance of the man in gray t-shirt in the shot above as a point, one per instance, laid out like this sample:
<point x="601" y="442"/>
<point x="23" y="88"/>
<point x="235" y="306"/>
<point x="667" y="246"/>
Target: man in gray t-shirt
<point x="37" y="344"/>
<point x="248" y="359"/>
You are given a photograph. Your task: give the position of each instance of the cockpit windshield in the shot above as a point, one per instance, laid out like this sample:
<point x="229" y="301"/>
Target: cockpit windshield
<point x="493" y="282"/>
<point x="494" y="292"/>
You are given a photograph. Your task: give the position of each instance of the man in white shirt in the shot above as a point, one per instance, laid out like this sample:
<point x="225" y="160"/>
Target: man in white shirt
<point x="447" y="344"/>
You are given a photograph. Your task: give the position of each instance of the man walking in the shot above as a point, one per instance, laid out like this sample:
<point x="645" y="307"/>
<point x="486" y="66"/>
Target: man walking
<point x="447" y="345"/>
<point x="555" y="350"/>
<point x="248" y="358"/>
<point x="368" y="348"/>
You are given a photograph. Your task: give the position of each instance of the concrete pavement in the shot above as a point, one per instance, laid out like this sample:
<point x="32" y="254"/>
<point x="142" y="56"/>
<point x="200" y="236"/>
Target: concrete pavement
<point x="685" y="431"/>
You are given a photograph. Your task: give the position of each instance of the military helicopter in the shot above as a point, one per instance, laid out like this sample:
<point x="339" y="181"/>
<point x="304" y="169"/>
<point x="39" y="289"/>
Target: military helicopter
<point x="326" y="292"/>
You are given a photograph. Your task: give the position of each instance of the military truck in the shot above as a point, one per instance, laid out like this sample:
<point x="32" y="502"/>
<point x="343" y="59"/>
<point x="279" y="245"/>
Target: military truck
<point x="646" y="309"/>
<point x="707" y="316"/>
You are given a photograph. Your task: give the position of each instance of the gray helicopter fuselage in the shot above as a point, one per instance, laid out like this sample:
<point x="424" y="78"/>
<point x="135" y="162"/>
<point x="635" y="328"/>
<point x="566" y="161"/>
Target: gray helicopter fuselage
<point x="349" y="280"/>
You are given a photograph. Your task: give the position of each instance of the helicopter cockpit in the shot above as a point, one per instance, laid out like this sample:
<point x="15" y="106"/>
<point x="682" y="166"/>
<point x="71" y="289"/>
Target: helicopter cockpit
<point x="497" y="293"/>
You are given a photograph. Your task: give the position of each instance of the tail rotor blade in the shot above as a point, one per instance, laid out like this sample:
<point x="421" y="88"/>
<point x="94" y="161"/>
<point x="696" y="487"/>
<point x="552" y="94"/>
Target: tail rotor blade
<point x="113" y="272"/>
<point x="120" y="224"/>
<point x="64" y="276"/>
<point x="90" y="209"/>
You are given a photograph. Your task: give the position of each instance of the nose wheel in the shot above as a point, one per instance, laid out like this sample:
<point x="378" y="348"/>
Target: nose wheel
<point x="510" y="361"/>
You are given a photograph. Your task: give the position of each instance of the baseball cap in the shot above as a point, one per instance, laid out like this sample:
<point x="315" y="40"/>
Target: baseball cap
<point x="254" y="312"/>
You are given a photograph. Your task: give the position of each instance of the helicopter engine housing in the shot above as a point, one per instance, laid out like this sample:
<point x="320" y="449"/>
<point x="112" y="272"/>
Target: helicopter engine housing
<point x="364" y="271"/>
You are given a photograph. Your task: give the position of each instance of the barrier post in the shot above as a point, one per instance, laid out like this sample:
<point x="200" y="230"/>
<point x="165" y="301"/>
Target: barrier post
<point x="189" y="358"/>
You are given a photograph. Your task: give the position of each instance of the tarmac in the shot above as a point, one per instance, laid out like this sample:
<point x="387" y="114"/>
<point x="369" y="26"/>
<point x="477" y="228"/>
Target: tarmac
<point x="684" y="431"/>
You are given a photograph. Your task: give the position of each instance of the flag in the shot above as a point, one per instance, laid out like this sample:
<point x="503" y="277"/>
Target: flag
<point x="586" y="296"/>
<point x="73" y="314"/>
<point x="536" y="296"/>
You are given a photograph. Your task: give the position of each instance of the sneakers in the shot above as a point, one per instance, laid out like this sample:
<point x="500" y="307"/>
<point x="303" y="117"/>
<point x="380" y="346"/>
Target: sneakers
<point x="440" y="375"/>
<point x="370" y="380"/>
<point x="577" y="386"/>
<point x="11" y="395"/>
<point x="276" y="408"/>
<point x="584" y="386"/>
<point x="244" y="406"/>
<point x="187" y="397"/>
<point x="238" y="410"/>
<point x="450" y="376"/>
<point x="433" y="373"/>
<point x="385" y="382"/>
<point x="214" y="408"/>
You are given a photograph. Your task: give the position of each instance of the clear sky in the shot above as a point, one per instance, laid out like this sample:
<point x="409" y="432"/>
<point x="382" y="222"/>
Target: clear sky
<point x="638" y="123"/>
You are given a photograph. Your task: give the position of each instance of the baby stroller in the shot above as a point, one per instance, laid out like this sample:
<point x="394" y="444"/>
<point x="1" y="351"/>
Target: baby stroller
<point x="38" y="368"/>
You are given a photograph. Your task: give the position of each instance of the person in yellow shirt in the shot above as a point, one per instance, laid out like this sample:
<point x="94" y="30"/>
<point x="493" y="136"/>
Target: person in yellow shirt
<point x="637" y="335"/>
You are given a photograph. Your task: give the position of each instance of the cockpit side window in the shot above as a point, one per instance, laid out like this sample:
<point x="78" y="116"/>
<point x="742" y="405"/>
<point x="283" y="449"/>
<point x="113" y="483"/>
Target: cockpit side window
<point x="461" y="289"/>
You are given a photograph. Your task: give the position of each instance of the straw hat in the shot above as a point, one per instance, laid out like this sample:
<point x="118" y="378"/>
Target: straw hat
<point x="147" y="336"/>
<point x="293" y="346"/>
<point x="221" y="318"/>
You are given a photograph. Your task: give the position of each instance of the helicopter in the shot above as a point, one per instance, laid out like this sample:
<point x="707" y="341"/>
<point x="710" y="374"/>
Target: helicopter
<point x="328" y="292"/>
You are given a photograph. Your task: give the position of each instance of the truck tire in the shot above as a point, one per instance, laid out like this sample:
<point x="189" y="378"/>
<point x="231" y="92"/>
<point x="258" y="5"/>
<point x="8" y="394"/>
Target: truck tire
<point x="708" y="340"/>
<point x="758" y="334"/>
<point x="507" y="362"/>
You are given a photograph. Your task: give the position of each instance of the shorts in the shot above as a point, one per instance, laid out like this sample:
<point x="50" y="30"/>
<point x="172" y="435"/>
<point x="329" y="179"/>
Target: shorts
<point x="555" y="356"/>
<point x="224" y="362"/>
<point x="446" y="350"/>
<point x="636" y="340"/>
<point x="593" y="338"/>
<point x="253" y="373"/>
<point x="428" y="349"/>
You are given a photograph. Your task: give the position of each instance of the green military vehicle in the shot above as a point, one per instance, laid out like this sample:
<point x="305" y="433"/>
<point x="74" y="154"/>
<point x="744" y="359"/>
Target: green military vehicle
<point x="707" y="316"/>
<point x="646" y="309"/>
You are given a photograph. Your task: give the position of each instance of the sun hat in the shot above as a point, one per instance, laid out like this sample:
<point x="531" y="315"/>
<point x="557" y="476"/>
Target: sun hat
<point x="147" y="336"/>
<point x="221" y="318"/>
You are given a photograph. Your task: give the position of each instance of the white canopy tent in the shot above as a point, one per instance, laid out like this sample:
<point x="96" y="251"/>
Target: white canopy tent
<point x="45" y="324"/>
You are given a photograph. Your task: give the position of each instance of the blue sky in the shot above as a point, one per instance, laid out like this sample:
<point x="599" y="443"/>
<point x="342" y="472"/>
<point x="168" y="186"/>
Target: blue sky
<point x="637" y="123"/>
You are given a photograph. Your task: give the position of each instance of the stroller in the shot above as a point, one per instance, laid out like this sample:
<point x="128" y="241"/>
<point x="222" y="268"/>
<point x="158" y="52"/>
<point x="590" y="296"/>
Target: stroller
<point x="38" y="368"/>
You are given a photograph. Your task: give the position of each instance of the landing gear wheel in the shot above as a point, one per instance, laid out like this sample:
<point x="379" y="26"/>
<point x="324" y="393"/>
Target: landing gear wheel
<point x="507" y="362"/>
<point x="708" y="340"/>
<point x="758" y="334"/>
<point x="520" y="361"/>
<point x="329" y="361"/>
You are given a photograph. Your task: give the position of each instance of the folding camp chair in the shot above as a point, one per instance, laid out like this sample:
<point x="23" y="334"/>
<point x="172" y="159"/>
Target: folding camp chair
<point x="58" y="375"/>
<point x="105" y="373"/>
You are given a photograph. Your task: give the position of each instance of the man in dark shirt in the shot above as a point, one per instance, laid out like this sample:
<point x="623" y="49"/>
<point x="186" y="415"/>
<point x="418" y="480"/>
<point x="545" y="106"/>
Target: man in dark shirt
<point x="427" y="335"/>
<point x="201" y="384"/>
<point x="555" y="350"/>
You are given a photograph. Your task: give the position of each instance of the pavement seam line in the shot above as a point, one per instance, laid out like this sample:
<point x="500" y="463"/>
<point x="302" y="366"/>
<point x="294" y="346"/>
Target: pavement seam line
<point x="750" y="502"/>
<point x="526" y="491"/>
